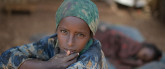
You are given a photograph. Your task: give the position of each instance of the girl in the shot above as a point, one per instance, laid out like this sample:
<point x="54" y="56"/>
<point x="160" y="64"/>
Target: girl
<point x="72" y="47"/>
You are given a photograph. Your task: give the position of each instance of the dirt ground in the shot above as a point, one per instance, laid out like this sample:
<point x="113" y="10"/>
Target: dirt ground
<point x="17" y="29"/>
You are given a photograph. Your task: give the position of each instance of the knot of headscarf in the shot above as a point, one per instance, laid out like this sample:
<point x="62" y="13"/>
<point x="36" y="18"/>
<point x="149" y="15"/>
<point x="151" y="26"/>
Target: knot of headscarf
<point x="84" y="9"/>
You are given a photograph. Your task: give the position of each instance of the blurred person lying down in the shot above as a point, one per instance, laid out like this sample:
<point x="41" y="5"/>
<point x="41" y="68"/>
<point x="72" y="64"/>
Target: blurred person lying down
<point x="123" y="52"/>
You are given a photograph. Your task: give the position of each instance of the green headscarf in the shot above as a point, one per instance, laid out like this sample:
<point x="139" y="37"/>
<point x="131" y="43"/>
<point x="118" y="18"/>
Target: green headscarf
<point x="84" y="9"/>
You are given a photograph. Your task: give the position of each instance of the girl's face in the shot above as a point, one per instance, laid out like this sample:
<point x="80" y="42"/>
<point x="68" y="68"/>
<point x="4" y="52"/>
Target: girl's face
<point x="73" y="34"/>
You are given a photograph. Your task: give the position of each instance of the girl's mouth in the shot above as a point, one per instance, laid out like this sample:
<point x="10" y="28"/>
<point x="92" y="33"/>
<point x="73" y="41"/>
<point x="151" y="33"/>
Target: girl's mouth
<point x="69" y="52"/>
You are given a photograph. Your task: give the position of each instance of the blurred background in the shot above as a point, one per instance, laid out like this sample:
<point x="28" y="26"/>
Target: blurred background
<point x="25" y="21"/>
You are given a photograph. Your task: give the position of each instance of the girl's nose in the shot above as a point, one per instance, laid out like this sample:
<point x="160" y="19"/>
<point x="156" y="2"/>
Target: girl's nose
<point x="70" y="40"/>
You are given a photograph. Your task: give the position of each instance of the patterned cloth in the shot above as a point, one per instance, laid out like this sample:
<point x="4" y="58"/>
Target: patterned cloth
<point x="44" y="49"/>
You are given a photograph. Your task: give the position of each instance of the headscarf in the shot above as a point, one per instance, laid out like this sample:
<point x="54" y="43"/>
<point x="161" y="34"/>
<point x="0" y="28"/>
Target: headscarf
<point x="84" y="9"/>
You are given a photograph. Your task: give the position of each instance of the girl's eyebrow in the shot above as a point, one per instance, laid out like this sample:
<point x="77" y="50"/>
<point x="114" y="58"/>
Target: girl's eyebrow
<point x="82" y="32"/>
<point x="61" y="27"/>
<point x="79" y="31"/>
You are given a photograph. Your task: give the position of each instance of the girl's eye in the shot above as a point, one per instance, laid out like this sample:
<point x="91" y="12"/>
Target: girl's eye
<point x="81" y="35"/>
<point x="64" y="31"/>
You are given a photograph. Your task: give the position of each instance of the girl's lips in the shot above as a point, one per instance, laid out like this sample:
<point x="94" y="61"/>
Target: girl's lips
<point x="69" y="51"/>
